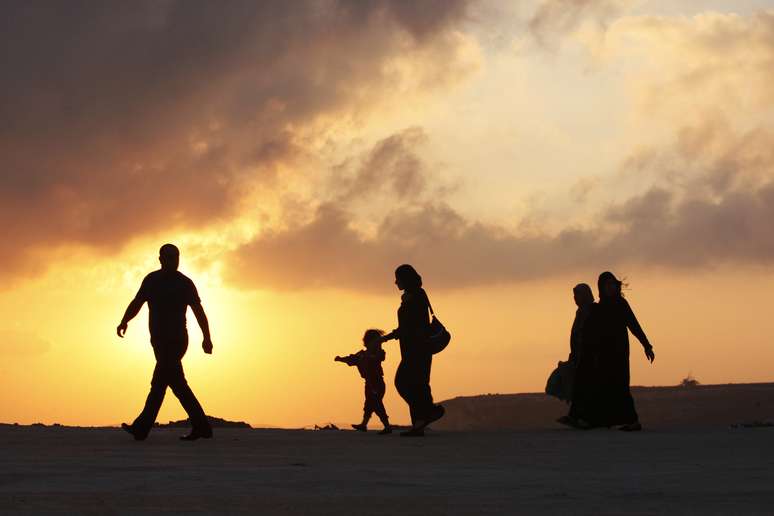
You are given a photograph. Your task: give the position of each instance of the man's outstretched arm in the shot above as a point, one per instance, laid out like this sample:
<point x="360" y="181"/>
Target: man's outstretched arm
<point x="201" y="318"/>
<point x="131" y="312"/>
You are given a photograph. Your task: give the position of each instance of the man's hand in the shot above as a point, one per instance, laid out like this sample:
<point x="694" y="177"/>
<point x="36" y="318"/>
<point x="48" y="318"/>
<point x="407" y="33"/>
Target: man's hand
<point x="337" y="359"/>
<point x="131" y="311"/>
<point x="650" y="354"/>
<point x="201" y="318"/>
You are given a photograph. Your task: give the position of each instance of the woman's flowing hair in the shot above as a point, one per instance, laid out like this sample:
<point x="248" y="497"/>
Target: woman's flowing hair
<point x="409" y="277"/>
<point x="609" y="276"/>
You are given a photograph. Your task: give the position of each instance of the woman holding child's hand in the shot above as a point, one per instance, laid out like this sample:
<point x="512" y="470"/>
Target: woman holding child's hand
<point x="412" y="379"/>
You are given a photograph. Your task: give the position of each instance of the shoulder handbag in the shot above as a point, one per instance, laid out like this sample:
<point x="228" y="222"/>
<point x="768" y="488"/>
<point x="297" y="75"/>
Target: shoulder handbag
<point x="439" y="336"/>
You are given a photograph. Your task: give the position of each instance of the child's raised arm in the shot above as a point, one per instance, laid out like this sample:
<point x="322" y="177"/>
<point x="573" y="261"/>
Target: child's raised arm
<point x="350" y="360"/>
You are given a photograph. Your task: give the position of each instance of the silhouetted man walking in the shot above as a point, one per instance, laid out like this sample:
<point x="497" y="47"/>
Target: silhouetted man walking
<point x="169" y="293"/>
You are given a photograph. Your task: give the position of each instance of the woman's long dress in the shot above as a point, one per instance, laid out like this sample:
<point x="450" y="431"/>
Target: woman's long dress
<point x="574" y="372"/>
<point x="412" y="379"/>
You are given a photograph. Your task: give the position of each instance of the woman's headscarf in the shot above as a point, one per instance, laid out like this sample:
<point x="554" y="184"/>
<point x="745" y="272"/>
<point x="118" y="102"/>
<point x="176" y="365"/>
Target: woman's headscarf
<point x="604" y="278"/>
<point x="583" y="291"/>
<point x="409" y="277"/>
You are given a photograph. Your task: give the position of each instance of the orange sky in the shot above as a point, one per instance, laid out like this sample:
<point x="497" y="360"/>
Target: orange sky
<point x="296" y="156"/>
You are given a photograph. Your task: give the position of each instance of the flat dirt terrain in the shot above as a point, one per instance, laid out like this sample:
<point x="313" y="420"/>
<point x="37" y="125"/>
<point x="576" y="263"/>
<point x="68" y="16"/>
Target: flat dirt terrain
<point x="713" y="470"/>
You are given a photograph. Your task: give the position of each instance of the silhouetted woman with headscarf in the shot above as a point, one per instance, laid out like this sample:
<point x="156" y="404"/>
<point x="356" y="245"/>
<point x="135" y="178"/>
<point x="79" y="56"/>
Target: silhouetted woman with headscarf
<point x="606" y="345"/>
<point x="412" y="379"/>
<point x="576" y="374"/>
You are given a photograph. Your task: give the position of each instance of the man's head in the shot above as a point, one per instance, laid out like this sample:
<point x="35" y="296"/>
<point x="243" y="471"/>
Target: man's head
<point x="169" y="257"/>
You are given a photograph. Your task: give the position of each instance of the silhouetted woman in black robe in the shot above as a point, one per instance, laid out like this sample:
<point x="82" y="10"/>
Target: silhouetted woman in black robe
<point x="572" y="369"/>
<point x="412" y="379"/>
<point x="606" y="399"/>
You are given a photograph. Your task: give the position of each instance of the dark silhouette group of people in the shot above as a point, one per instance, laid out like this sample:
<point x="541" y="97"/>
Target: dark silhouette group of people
<point x="595" y="379"/>
<point x="596" y="376"/>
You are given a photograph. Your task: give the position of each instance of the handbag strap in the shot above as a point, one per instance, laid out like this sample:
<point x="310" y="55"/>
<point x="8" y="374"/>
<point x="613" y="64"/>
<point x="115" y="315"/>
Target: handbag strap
<point x="430" y="306"/>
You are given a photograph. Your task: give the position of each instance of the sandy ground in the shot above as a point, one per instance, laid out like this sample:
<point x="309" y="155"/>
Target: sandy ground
<point x="554" y="471"/>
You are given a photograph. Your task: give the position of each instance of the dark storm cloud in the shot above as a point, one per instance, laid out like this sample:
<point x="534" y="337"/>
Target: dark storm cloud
<point x="708" y="197"/>
<point x="390" y="167"/>
<point x="121" y="118"/>
<point x="689" y="223"/>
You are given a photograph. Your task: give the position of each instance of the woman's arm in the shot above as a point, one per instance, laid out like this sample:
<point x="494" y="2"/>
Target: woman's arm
<point x="634" y="326"/>
<point x="415" y="319"/>
<point x="394" y="334"/>
<point x="415" y="324"/>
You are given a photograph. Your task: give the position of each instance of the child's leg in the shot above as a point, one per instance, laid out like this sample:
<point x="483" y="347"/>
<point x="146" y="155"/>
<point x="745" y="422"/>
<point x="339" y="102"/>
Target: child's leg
<point x="382" y="413"/>
<point x="377" y="403"/>
<point x="368" y="407"/>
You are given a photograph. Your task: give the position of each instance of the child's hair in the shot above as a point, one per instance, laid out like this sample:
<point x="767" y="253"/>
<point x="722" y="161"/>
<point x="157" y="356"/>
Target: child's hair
<point x="371" y="335"/>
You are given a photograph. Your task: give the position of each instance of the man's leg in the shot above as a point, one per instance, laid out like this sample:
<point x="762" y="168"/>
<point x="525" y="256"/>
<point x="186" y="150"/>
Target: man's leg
<point x="144" y="422"/>
<point x="188" y="400"/>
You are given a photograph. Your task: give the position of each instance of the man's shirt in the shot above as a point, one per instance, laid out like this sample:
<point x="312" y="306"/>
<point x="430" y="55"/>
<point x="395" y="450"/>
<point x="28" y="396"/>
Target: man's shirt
<point x="168" y="293"/>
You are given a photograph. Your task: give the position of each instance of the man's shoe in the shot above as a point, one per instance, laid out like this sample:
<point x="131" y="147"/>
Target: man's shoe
<point x="360" y="428"/>
<point x="414" y="432"/>
<point x="631" y="427"/>
<point x="197" y="434"/>
<point x="386" y="431"/>
<point x="130" y="430"/>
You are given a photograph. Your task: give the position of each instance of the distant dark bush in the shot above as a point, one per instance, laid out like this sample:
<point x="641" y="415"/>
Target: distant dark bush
<point x="689" y="381"/>
<point x="215" y="422"/>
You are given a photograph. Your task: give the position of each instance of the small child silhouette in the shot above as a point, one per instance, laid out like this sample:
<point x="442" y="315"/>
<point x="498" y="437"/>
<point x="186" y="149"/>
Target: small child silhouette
<point x="369" y="364"/>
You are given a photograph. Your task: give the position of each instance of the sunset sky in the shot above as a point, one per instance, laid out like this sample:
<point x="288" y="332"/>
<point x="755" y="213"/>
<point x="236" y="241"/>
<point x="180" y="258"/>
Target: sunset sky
<point x="297" y="152"/>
